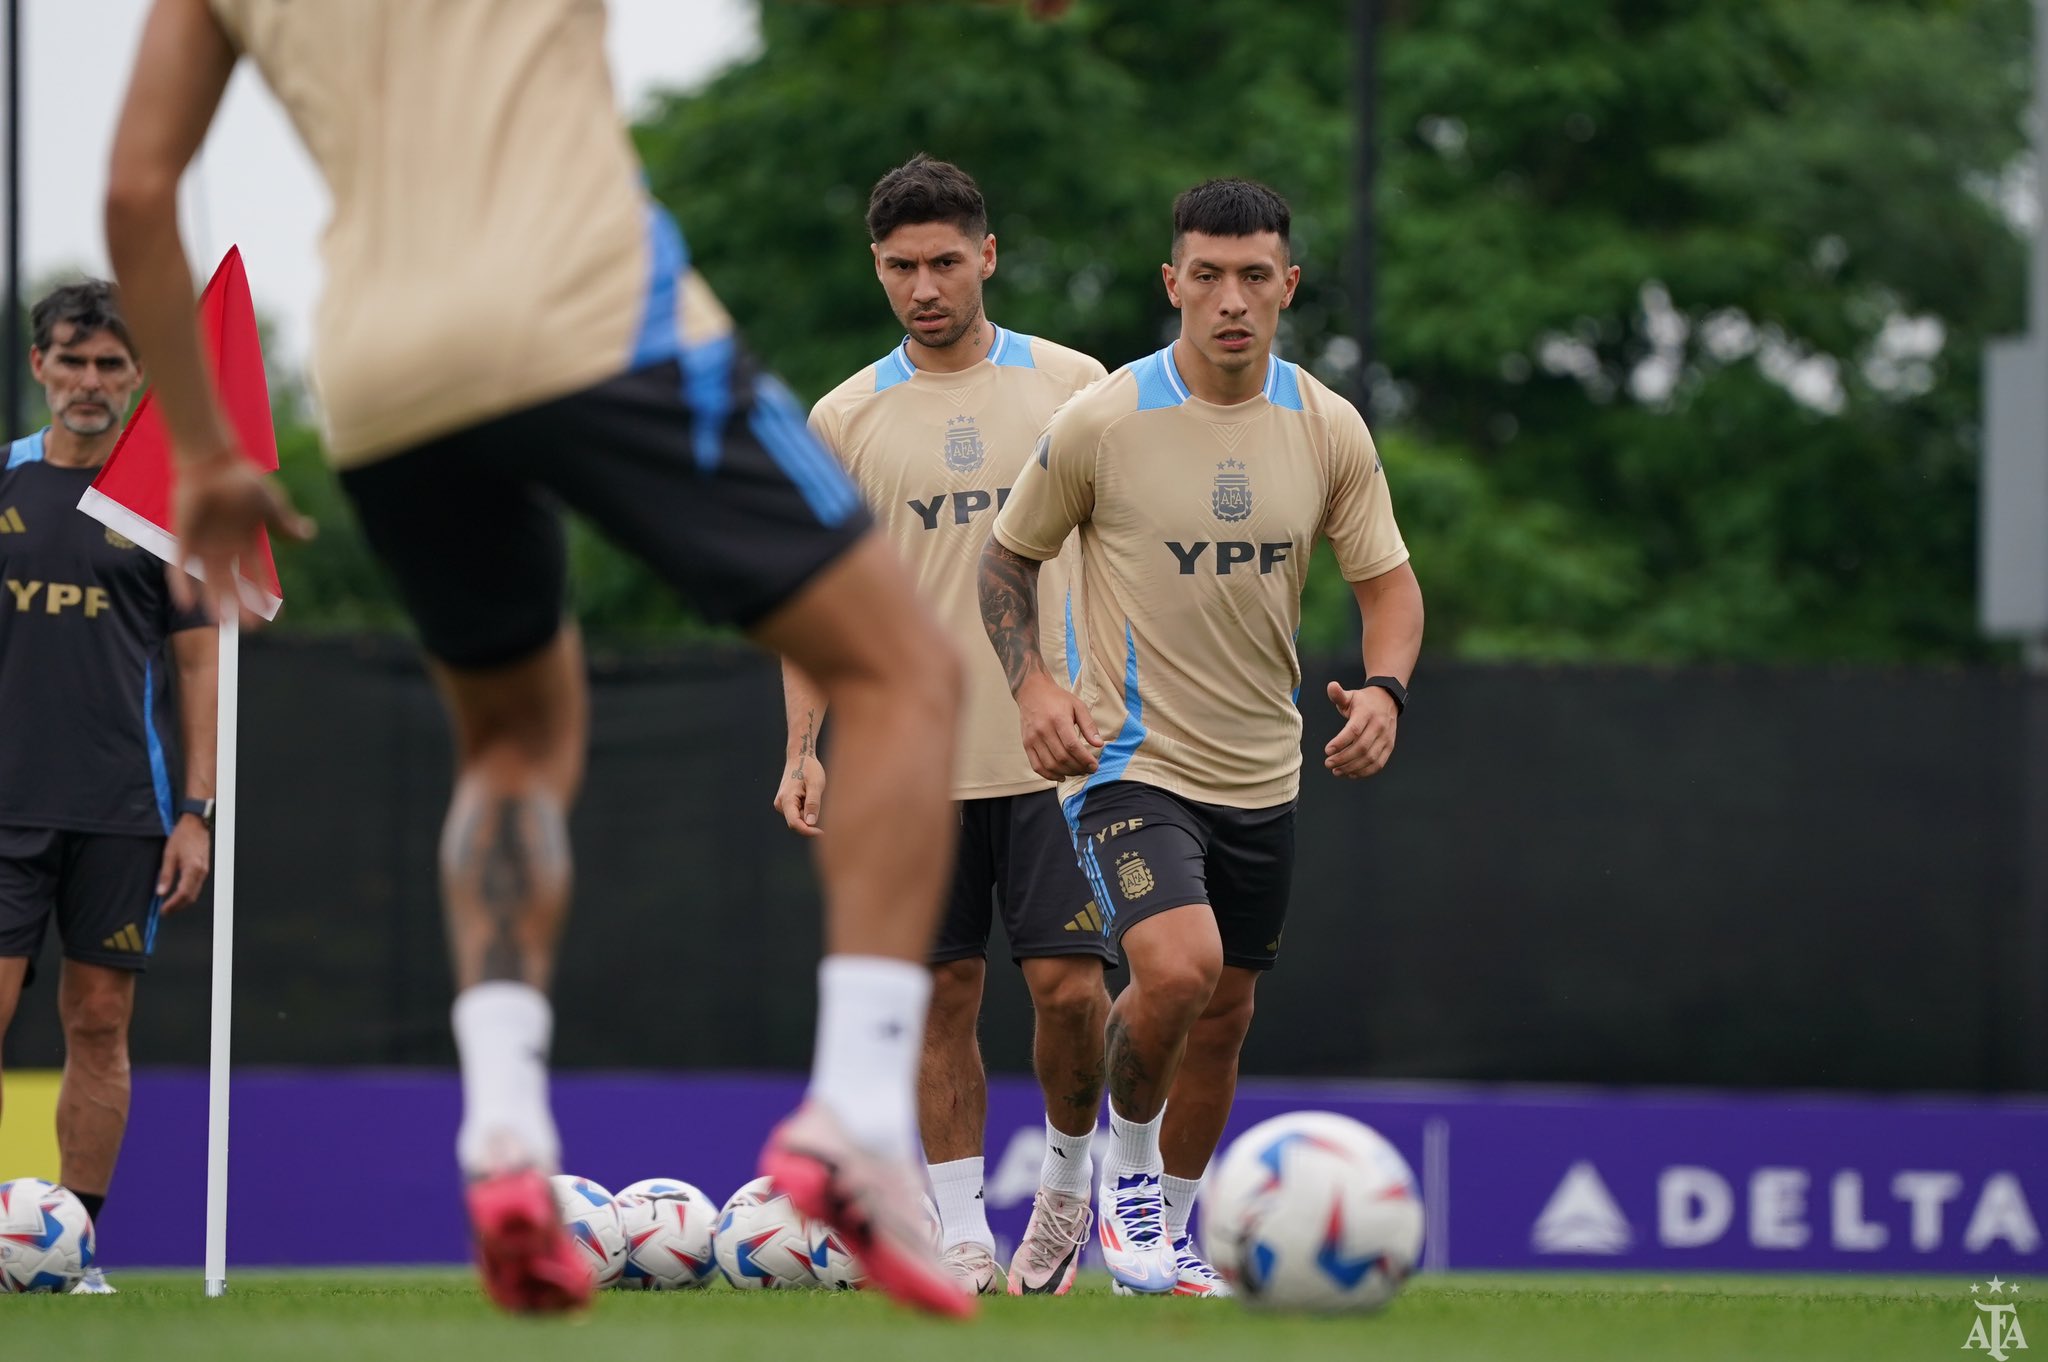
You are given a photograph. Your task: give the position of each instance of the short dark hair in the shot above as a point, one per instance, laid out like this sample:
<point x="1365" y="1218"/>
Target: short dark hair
<point x="1231" y="208"/>
<point x="90" y="305"/>
<point x="925" y="190"/>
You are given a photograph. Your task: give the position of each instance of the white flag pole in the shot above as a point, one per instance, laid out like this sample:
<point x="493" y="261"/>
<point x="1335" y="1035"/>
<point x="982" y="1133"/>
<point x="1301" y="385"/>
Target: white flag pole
<point x="224" y="803"/>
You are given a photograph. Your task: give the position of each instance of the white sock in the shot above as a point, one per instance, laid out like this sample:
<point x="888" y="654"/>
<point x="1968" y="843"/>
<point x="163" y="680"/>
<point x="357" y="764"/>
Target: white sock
<point x="502" y="1032"/>
<point x="963" y="1211"/>
<point x="1066" y="1161"/>
<point x="1134" y="1147"/>
<point x="870" y="1038"/>
<point x="1180" y="1202"/>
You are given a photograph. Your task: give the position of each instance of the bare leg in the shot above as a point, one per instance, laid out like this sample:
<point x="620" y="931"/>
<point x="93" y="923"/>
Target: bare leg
<point x="13" y="973"/>
<point x="505" y="868"/>
<point x="95" y="1004"/>
<point x="1176" y="959"/>
<point x="952" y="1087"/>
<point x="892" y="682"/>
<point x="1070" y="1004"/>
<point x="1206" y="1085"/>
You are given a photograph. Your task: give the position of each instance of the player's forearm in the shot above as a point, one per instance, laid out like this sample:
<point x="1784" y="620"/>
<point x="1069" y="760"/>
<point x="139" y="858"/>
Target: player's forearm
<point x="179" y="77"/>
<point x="1390" y="607"/>
<point x="156" y="293"/>
<point x="803" y="711"/>
<point x="1008" y="588"/>
<point x="198" y="707"/>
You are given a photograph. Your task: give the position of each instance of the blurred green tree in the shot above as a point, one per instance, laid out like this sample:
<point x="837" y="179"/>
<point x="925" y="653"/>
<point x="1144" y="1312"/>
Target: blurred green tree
<point x="1681" y="306"/>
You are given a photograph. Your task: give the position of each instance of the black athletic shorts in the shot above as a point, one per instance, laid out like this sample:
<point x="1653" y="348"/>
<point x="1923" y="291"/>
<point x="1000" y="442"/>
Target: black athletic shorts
<point x="723" y="492"/>
<point x="101" y="888"/>
<point x="1145" y="851"/>
<point x="1015" y="855"/>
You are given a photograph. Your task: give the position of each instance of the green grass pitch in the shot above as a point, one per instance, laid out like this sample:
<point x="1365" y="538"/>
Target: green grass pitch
<point x="439" y="1315"/>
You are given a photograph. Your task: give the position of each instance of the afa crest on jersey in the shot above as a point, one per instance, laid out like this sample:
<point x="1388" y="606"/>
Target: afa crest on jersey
<point x="1233" y="495"/>
<point x="964" y="451"/>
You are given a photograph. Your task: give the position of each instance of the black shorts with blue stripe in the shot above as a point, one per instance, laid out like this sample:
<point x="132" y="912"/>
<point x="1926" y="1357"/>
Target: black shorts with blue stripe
<point x="1145" y="850"/>
<point x="99" y="888"/>
<point x="698" y="466"/>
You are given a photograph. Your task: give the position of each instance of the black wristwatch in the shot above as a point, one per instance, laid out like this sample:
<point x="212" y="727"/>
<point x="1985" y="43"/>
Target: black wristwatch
<point x="1391" y="687"/>
<point x="202" y="809"/>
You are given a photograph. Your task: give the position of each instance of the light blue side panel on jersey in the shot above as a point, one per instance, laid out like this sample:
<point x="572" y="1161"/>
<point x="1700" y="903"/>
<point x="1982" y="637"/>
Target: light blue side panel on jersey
<point x="1073" y="645"/>
<point x="1116" y="759"/>
<point x="778" y="423"/>
<point x="667" y="258"/>
<point x="1012" y="351"/>
<point x="159" y="768"/>
<point x="707" y="389"/>
<point x="893" y="368"/>
<point x="1283" y="385"/>
<point x="28" y="449"/>
<point x="1158" y="383"/>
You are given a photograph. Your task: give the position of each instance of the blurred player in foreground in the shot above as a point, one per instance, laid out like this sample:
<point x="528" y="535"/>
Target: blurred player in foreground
<point x="934" y="433"/>
<point x="92" y="834"/>
<point x="1200" y="477"/>
<point x="510" y="325"/>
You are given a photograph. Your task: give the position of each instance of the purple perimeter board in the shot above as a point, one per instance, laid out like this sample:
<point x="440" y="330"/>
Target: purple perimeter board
<point x="356" y="1167"/>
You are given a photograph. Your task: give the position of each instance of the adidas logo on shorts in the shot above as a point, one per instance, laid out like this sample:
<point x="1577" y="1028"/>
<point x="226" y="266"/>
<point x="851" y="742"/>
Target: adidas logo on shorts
<point x="11" y="522"/>
<point x="1087" y="920"/>
<point x="129" y="938"/>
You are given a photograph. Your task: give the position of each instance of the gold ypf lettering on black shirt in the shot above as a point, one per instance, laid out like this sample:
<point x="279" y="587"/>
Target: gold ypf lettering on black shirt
<point x="54" y="598"/>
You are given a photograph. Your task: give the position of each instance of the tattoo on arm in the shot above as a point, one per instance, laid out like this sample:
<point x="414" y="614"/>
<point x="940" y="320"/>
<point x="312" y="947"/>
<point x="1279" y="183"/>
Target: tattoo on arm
<point x="1129" y="1079"/>
<point x="1009" y="611"/>
<point x="807" y="745"/>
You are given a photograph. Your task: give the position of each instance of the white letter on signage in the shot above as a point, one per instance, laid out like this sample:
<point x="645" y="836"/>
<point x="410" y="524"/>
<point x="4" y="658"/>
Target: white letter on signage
<point x="1694" y="1206"/>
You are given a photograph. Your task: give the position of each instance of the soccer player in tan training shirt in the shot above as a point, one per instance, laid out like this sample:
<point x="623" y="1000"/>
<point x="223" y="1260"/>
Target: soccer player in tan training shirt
<point x="1200" y="478"/>
<point x="934" y="433"/>
<point x="511" y="325"/>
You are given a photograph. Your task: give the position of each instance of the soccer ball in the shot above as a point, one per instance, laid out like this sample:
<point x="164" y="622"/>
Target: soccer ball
<point x="592" y="1219"/>
<point x="45" y="1237"/>
<point x="832" y="1263"/>
<point x="1312" y="1211"/>
<point x="762" y="1240"/>
<point x="667" y="1224"/>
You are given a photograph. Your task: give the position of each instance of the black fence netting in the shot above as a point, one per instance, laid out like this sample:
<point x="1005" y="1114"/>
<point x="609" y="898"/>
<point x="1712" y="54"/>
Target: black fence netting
<point x="1741" y="877"/>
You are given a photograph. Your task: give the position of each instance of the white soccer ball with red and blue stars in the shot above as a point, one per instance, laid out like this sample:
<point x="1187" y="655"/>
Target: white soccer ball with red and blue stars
<point x="762" y="1241"/>
<point x="592" y="1218"/>
<point x="1312" y="1211"/>
<point x="45" y="1237"/>
<point x="668" y="1235"/>
<point x="834" y="1264"/>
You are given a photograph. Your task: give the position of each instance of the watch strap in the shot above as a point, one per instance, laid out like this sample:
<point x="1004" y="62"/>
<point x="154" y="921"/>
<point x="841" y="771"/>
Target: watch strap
<point x="1392" y="686"/>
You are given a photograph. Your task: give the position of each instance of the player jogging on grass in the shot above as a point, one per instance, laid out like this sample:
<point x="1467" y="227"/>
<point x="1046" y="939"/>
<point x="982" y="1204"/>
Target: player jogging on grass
<point x="509" y="326"/>
<point x="1200" y="478"/>
<point x="934" y="433"/>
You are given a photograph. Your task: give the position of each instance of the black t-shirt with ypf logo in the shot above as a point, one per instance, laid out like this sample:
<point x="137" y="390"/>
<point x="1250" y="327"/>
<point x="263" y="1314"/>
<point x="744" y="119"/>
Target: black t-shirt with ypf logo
<point x="87" y="728"/>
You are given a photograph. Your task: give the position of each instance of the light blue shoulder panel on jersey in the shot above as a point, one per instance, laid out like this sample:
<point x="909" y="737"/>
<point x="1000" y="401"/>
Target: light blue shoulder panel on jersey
<point x="1283" y="384"/>
<point x="28" y="449"/>
<point x="894" y="367"/>
<point x="1159" y="382"/>
<point x="1012" y="351"/>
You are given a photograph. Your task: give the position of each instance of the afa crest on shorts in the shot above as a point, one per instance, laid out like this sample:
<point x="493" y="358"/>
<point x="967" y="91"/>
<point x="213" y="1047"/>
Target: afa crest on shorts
<point x="964" y="451"/>
<point x="1233" y="495"/>
<point x="1133" y="876"/>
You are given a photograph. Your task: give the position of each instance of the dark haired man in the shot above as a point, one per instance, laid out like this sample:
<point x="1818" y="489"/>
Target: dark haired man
<point x="934" y="433"/>
<point x="1200" y="477"/>
<point x="96" y="831"/>
<point x="558" y="350"/>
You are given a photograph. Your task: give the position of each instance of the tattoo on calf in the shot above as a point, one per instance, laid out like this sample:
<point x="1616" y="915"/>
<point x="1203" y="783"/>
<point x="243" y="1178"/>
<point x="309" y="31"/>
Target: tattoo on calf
<point x="522" y="853"/>
<point x="1008" y="588"/>
<point x="1127" y="1072"/>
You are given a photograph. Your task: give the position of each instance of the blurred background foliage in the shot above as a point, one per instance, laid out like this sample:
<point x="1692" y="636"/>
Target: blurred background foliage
<point x="1681" y="306"/>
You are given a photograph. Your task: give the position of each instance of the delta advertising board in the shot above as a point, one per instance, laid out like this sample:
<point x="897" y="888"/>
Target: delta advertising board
<point x="1511" y="1179"/>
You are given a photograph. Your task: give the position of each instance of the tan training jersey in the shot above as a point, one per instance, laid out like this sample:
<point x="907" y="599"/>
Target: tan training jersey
<point x="490" y="246"/>
<point x="935" y="455"/>
<point x="1196" y="524"/>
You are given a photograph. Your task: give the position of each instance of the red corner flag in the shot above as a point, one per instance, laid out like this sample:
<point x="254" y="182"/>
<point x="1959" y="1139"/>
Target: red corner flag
<point x="132" y="493"/>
